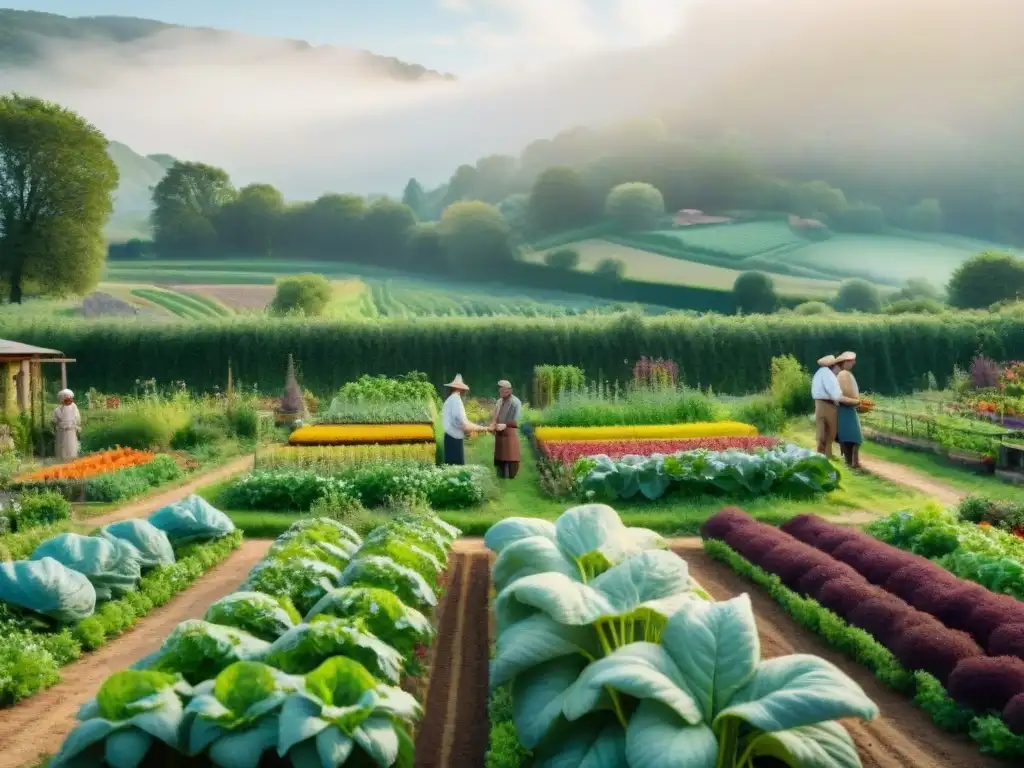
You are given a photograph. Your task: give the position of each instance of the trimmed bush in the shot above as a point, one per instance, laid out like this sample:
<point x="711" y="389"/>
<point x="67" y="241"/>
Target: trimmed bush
<point x="1008" y="640"/>
<point x="934" y="649"/>
<point x="986" y="682"/>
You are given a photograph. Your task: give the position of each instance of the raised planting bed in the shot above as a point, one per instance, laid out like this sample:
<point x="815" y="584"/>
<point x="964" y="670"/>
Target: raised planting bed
<point x="327" y="459"/>
<point x="570" y="451"/>
<point x="97" y="588"/>
<point x="362" y="434"/>
<point x="921" y="630"/>
<point x="646" y="431"/>
<point x="327" y="621"/>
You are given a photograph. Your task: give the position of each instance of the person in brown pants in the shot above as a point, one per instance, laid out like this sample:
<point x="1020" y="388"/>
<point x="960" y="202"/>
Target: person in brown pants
<point x="827" y="394"/>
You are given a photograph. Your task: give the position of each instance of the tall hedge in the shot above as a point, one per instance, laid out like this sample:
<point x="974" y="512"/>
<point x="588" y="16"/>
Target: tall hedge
<point x="730" y="354"/>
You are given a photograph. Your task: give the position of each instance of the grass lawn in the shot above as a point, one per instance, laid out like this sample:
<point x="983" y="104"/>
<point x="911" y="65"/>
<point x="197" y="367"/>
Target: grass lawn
<point x="673" y="516"/>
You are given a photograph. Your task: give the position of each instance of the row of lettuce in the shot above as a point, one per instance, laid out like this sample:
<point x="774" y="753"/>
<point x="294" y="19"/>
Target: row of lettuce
<point x="72" y="593"/>
<point x="609" y="654"/>
<point x="930" y="604"/>
<point x="307" y="663"/>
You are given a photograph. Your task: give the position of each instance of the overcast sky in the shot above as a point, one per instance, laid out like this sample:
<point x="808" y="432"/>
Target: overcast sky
<point x="466" y="37"/>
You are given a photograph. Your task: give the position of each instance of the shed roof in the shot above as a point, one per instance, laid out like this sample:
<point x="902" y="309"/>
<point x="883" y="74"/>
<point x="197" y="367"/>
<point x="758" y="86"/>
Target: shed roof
<point x="17" y="349"/>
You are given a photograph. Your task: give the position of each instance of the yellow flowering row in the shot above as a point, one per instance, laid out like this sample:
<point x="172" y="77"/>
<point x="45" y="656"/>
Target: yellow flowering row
<point x="358" y="434"/>
<point x="647" y="432"/>
<point x="327" y="458"/>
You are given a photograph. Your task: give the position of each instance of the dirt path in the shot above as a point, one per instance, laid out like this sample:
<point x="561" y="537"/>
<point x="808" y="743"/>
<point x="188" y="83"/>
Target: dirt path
<point x="150" y="504"/>
<point x="38" y="725"/>
<point x="897" y="473"/>
<point x="455" y="729"/>
<point x="903" y="736"/>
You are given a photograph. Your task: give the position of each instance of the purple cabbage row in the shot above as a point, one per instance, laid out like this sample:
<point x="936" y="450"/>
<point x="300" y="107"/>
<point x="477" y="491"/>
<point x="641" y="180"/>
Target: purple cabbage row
<point x="925" y="616"/>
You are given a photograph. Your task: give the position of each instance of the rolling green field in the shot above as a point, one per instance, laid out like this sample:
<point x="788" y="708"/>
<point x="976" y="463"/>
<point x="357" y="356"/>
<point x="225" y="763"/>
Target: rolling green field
<point x="739" y="241"/>
<point x="658" y="268"/>
<point x="196" y="289"/>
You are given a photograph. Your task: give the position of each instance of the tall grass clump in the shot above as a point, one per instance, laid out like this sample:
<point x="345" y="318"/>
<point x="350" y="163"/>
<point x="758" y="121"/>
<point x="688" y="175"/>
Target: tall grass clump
<point x="790" y="386"/>
<point x="631" y="406"/>
<point x="144" y="423"/>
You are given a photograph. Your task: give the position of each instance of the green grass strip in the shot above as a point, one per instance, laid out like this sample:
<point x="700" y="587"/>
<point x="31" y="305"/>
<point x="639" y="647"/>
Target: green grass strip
<point x="215" y="307"/>
<point x="988" y="731"/>
<point x="168" y="301"/>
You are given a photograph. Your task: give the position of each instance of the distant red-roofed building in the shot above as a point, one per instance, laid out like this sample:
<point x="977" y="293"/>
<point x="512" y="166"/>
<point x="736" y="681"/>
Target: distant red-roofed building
<point x="689" y="217"/>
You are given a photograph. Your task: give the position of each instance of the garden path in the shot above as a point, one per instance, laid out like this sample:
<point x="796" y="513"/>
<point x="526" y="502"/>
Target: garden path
<point x="38" y="725"/>
<point x="145" y="506"/>
<point x="897" y="473"/>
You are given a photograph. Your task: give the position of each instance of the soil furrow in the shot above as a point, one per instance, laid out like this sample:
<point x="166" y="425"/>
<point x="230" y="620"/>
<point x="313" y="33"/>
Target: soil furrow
<point x="902" y="736"/>
<point x="38" y="725"/>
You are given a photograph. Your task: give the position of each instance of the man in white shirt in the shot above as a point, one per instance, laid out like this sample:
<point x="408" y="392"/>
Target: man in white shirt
<point x="827" y="395"/>
<point x="455" y="422"/>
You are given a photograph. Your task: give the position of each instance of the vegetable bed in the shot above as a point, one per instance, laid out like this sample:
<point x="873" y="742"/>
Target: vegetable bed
<point x="569" y="451"/>
<point x="256" y="679"/>
<point x="647" y="432"/>
<point x="914" y="618"/>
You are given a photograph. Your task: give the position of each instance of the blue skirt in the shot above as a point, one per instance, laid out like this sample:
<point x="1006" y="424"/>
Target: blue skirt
<point x="454" y="450"/>
<point x="849" y="426"/>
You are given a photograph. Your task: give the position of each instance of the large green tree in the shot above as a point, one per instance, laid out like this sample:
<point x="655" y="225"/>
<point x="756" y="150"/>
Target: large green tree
<point x="754" y="294"/>
<point x="56" y="193"/>
<point x="331" y="226"/>
<point x="560" y="200"/>
<point x="186" y="204"/>
<point x="985" y="279"/>
<point x="387" y="225"/>
<point x="414" y="198"/>
<point x="635" y="206"/>
<point x="251" y="223"/>
<point x="474" y="236"/>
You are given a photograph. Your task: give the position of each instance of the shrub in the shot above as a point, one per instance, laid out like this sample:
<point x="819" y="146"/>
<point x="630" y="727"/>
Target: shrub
<point x="40" y="508"/>
<point x="955" y="610"/>
<point x="611" y="269"/>
<point x="830" y="541"/>
<point x="809" y="308"/>
<point x="790" y="385"/>
<point x="907" y="579"/>
<point x="844" y="594"/>
<point x="194" y="434"/>
<point x="882" y="617"/>
<point x="719" y="524"/>
<point x="985" y="279"/>
<point x="934" y="648"/>
<point x="858" y="296"/>
<point x="635" y="206"/>
<point x="753" y="293"/>
<point x="306" y="295"/>
<point x="987" y="683"/>
<point x="134" y="429"/>
<point x="566" y="259"/>
<point x="812" y="582"/>
<point x="992" y="613"/>
<point x="762" y="412"/>
<point x="244" y="421"/>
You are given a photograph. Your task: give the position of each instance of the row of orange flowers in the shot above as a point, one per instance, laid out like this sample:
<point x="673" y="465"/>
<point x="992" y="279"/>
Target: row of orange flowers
<point x="88" y="466"/>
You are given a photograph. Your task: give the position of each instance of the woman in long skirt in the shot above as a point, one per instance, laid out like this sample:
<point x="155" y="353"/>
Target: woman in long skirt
<point x="849" y="434"/>
<point x="68" y="423"/>
<point x="455" y="422"/>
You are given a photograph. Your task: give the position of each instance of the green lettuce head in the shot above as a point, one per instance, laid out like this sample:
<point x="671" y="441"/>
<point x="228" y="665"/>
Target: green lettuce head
<point x="198" y="650"/>
<point x="344" y="713"/>
<point x="133" y="711"/>
<point x="308" y="646"/>
<point x="381" y="613"/>
<point x="260" y="615"/>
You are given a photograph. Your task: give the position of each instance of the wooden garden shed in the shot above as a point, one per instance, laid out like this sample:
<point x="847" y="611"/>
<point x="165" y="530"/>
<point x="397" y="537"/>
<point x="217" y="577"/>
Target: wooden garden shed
<point x="21" y="376"/>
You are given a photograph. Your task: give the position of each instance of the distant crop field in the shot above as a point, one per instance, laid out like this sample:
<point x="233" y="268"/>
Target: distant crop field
<point x="755" y="238"/>
<point x="655" y="268"/>
<point x="887" y="257"/>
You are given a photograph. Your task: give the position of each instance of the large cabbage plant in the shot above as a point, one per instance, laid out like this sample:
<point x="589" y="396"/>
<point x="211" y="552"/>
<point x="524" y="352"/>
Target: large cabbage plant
<point x="383" y="572"/>
<point x="380" y="612"/>
<point x="260" y="615"/>
<point x="581" y="544"/>
<point x="343" y="713"/>
<point x="235" y="718"/>
<point x="133" y="712"/>
<point x="307" y="646"/>
<point x="302" y="580"/>
<point x="198" y="650"/>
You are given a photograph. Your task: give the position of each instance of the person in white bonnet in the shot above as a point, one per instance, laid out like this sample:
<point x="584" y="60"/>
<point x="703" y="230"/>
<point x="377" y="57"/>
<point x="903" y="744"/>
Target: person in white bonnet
<point x="68" y="424"/>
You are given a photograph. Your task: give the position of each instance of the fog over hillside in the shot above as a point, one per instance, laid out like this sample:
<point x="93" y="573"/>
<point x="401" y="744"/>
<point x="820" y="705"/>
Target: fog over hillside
<point x="890" y="81"/>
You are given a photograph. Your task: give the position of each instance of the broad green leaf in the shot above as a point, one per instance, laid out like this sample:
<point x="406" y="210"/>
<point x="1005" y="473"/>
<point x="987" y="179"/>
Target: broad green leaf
<point x="640" y="580"/>
<point x="657" y="738"/>
<point x="641" y="670"/>
<point x="536" y="640"/>
<point x="597" y="741"/>
<point x="538" y="694"/>
<point x="716" y="648"/>
<point x="593" y="528"/>
<point x="644" y="538"/>
<point x="513" y="529"/>
<point x="793" y="691"/>
<point x="304" y="648"/>
<point x="81" y="738"/>
<point x="529" y="556"/>
<point x="127" y="748"/>
<point x="300" y="721"/>
<point x="377" y="738"/>
<point x="822" y="745"/>
<point x="333" y="747"/>
<point x="245" y="748"/>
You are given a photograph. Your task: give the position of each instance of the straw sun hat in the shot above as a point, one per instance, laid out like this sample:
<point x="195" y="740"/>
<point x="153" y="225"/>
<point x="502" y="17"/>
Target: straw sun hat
<point x="827" y="361"/>
<point x="457" y="383"/>
<point x="847" y="357"/>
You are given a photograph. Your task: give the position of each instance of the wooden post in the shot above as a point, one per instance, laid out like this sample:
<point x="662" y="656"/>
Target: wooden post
<point x="25" y="391"/>
<point x="63" y="375"/>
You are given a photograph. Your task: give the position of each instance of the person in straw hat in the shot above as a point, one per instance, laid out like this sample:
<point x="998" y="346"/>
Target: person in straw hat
<point x="68" y="423"/>
<point x="848" y="433"/>
<point x="827" y="394"/>
<point x="455" y="422"/>
<point x="505" y="425"/>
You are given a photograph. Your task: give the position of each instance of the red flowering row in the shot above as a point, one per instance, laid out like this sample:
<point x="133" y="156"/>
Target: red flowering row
<point x="925" y="616"/>
<point x="571" y="450"/>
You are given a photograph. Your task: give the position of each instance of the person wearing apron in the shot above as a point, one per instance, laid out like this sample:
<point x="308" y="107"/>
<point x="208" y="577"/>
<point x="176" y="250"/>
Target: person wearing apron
<point x="849" y="434"/>
<point x="505" y="425"/>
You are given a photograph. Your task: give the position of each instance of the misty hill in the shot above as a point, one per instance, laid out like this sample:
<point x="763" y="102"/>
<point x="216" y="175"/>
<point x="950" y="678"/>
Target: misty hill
<point x="133" y="199"/>
<point x="24" y="36"/>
